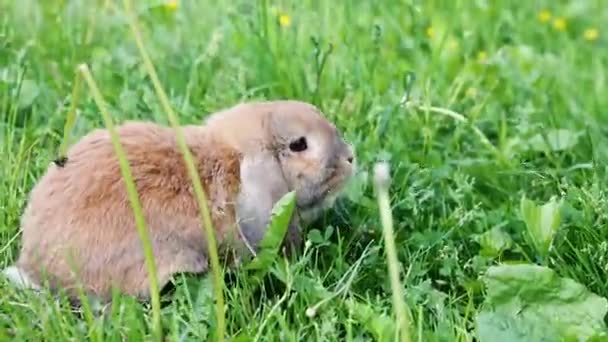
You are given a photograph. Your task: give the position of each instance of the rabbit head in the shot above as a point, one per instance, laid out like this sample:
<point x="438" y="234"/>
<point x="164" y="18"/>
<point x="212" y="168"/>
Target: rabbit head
<point x="314" y="159"/>
<point x="287" y="146"/>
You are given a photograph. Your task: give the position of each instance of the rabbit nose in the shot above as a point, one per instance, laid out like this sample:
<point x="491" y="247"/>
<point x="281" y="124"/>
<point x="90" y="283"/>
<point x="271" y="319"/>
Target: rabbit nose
<point x="350" y="155"/>
<point x="347" y="152"/>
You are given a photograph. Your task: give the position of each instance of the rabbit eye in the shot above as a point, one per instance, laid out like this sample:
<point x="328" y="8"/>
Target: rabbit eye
<point x="298" y="145"/>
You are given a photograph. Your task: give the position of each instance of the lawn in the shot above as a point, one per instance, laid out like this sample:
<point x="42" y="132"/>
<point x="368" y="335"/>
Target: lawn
<point x="491" y="115"/>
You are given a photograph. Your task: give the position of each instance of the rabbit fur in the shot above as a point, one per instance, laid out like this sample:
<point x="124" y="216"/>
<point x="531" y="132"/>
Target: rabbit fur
<point x="78" y="228"/>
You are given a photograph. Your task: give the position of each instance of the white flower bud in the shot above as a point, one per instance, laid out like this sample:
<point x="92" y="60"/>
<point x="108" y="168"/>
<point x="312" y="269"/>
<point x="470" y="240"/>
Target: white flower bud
<point x="382" y="176"/>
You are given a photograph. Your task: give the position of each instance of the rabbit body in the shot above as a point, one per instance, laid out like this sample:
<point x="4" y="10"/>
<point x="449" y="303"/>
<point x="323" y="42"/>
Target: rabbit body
<point x="78" y="228"/>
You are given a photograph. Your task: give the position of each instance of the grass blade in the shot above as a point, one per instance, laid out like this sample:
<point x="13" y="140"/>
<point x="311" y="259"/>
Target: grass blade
<point x="133" y="198"/>
<point x="71" y="116"/>
<point x="189" y="160"/>
<point x="382" y="181"/>
<point x="277" y="228"/>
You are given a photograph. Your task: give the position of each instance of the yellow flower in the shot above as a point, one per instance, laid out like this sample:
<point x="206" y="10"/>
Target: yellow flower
<point x="591" y="34"/>
<point x="172" y="5"/>
<point x="471" y="92"/>
<point x="544" y="16"/>
<point x="453" y="44"/>
<point x="559" y="24"/>
<point x="482" y="56"/>
<point x="284" y="20"/>
<point x="430" y="32"/>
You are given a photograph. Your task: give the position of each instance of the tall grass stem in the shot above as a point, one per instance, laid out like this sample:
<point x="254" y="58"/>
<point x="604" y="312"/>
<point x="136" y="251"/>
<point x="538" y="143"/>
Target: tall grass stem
<point x="133" y="198"/>
<point x="192" y="171"/>
<point x="70" y="119"/>
<point x="382" y="183"/>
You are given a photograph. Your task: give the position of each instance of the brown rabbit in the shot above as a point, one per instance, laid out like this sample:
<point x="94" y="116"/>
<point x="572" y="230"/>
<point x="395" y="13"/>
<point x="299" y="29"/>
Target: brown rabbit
<point x="79" y="229"/>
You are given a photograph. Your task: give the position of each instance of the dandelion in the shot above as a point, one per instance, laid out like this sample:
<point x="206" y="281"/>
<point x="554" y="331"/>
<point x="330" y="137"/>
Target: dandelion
<point x="591" y="34"/>
<point x="544" y="16"/>
<point x="471" y="92"/>
<point x="430" y="32"/>
<point x="453" y="44"/>
<point x="382" y="175"/>
<point x="284" y="20"/>
<point x="172" y="5"/>
<point x="482" y="56"/>
<point x="311" y="312"/>
<point x="308" y="244"/>
<point x="559" y="24"/>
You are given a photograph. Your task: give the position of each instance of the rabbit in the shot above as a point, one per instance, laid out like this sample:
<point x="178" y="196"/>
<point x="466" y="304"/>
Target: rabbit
<point x="78" y="228"/>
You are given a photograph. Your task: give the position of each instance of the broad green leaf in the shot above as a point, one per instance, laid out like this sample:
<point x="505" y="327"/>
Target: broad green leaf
<point x="542" y="221"/>
<point x="242" y="337"/>
<point x="28" y="93"/>
<point x="526" y="302"/>
<point x="314" y="235"/>
<point x="379" y="325"/>
<point x="554" y="140"/>
<point x="275" y="232"/>
<point x="304" y="285"/>
<point x="328" y="232"/>
<point x="494" y="241"/>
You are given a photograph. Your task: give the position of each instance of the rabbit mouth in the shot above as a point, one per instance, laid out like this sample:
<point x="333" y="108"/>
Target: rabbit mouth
<point x="314" y="208"/>
<point x="334" y="183"/>
<point x="324" y="197"/>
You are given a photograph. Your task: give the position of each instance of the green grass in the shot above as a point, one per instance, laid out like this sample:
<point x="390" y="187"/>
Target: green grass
<point x="491" y="80"/>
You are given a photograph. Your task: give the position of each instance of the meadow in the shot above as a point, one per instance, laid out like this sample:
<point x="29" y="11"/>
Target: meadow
<point x="491" y="115"/>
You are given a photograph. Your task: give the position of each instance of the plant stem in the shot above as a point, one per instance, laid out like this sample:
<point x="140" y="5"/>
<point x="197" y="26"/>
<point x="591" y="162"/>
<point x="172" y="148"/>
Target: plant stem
<point x="133" y="198"/>
<point x="460" y="118"/>
<point x="71" y="116"/>
<point x="382" y="181"/>
<point x="191" y="166"/>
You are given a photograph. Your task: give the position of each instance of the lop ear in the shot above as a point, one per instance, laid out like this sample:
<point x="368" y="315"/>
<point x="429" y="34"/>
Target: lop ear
<point x="262" y="185"/>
